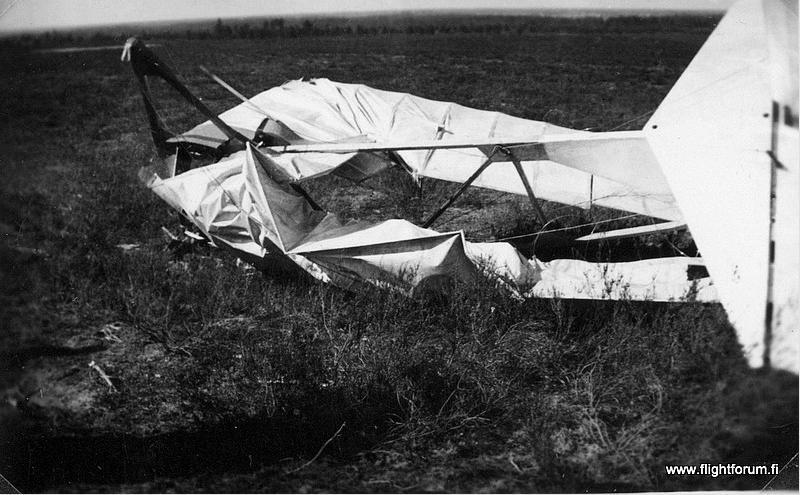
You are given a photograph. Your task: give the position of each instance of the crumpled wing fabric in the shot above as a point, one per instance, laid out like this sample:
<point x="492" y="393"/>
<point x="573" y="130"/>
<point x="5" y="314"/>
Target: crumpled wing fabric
<point x="323" y="111"/>
<point x="240" y="203"/>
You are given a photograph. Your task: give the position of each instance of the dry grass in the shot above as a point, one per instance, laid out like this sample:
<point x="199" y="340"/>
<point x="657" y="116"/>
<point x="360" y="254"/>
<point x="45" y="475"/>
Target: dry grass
<point x="227" y="380"/>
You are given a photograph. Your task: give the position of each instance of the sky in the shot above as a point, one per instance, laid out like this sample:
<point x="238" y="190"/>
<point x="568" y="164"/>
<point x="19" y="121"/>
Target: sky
<point x="23" y="15"/>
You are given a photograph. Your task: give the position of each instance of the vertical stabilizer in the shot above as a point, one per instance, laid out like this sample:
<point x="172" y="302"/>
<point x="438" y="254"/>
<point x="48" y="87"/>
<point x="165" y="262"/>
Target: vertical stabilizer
<point x="784" y="294"/>
<point x="715" y="136"/>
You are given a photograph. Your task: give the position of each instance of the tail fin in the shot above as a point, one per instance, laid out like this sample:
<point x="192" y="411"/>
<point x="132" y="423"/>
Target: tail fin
<point x="726" y="139"/>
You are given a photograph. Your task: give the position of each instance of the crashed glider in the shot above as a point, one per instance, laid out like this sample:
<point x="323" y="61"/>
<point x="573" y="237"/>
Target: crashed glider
<point x="720" y="154"/>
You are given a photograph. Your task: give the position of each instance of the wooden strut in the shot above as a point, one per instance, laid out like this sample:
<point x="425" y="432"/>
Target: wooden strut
<point x="528" y="189"/>
<point x="395" y="157"/>
<point x="464" y="186"/>
<point x="297" y="187"/>
<point x="233" y="91"/>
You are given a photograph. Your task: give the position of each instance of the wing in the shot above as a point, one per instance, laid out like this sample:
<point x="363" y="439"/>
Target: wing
<point x="369" y="129"/>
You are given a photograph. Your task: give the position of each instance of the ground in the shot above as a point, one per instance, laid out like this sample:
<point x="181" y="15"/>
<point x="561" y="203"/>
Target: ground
<point x="144" y="368"/>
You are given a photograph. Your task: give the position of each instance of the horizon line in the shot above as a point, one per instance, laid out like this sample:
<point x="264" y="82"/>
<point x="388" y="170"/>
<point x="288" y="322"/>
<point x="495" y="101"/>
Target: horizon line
<point x="564" y="12"/>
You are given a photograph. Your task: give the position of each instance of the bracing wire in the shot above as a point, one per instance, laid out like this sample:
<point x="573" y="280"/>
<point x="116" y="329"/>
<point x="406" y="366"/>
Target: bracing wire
<point x="562" y="229"/>
<point x="641" y="116"/>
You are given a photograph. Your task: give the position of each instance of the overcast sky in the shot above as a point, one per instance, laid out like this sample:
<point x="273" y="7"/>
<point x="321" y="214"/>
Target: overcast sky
<point x="44" y="14"/>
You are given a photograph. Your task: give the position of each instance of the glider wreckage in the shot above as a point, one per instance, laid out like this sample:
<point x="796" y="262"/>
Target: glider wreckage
<point x="719" y="155"/>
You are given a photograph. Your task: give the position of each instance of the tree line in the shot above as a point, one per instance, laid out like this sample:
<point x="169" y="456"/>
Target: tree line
<point x="281" y="28"/>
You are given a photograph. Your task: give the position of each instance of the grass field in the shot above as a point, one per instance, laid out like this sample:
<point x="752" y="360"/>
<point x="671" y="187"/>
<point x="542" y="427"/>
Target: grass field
<point x="223" y="379"/>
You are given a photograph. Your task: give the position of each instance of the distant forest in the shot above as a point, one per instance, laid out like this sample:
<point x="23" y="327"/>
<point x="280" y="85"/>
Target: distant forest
<point x="372" y="26"/>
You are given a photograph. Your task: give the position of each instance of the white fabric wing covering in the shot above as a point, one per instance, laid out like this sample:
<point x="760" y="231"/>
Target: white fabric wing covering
<point x="244" y="202"/>
<point x="322" y="111"/>
<point x="238" y="203"/>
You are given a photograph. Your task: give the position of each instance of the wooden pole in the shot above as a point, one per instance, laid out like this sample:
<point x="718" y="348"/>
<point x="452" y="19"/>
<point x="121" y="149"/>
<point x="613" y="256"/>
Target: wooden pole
<point x="527" y="185"/>
<point x="460" y="191"/>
